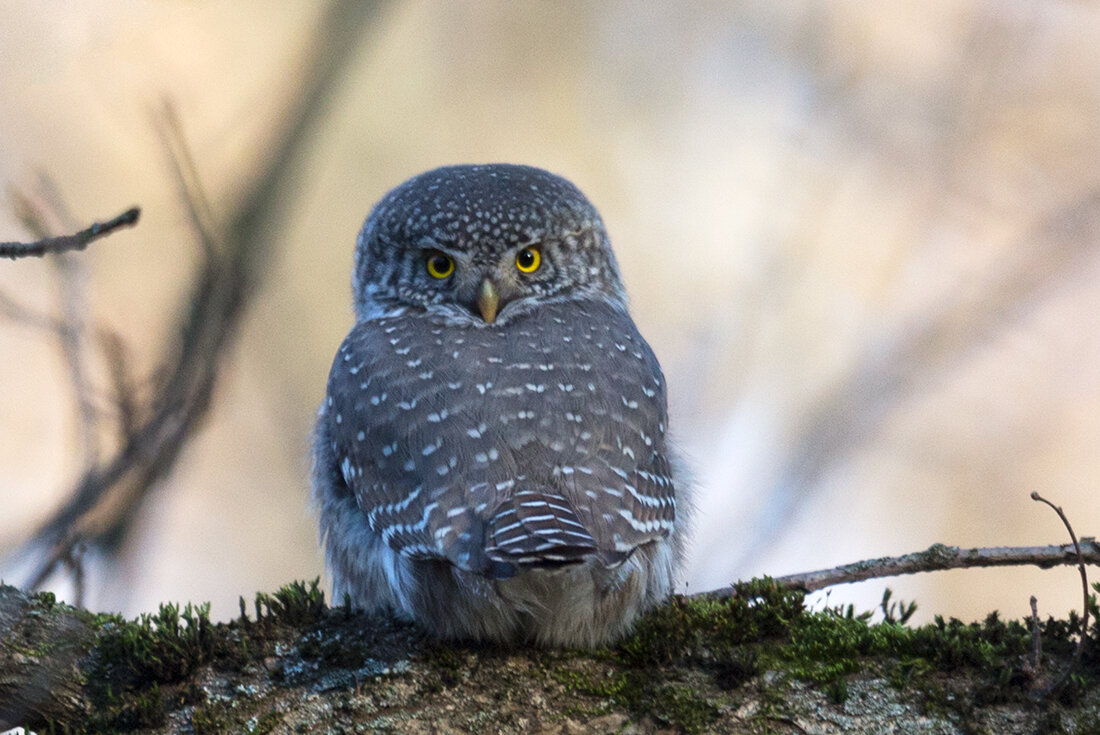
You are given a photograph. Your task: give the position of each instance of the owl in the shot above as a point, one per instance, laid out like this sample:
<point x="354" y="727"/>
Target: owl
<point x="490" y="460"/>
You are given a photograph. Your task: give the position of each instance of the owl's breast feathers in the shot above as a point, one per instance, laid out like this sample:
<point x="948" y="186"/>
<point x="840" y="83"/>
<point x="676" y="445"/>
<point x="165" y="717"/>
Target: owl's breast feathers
<point x="538" y="444"/>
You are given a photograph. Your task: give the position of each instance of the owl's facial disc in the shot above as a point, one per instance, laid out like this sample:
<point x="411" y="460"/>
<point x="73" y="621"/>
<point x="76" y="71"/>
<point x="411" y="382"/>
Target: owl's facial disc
<point x="432" y="241"/>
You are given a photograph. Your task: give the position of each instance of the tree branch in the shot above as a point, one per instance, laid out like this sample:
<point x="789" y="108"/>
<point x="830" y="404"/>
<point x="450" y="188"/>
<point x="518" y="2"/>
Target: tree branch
<point x="1061" y="682"/>
<point x="107" y="498"/>
<point x="299" y="666"/>
<point x="936" y="557"/>
<point x="62" y="244"/>
<point x="44" y="213"/>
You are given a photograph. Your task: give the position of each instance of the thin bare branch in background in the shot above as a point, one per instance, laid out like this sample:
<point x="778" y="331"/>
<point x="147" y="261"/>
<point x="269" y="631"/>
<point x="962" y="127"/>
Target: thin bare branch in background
<point x="17" y="313"/>
<point x="74" y="564"/>
<point x="102" y="507"/>
<point x="72" y="271"/>
<point x="44" y="215"/>
<point x="124" y="389"/>
<point x="167" y="124"/>
<point x="62" y="244"/>
<point x="945" y="335"/>
<point x="115" y="354"/>
<point x="935" y="558"/>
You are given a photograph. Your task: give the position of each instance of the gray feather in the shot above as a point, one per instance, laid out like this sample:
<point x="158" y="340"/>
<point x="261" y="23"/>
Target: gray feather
<point x="488" y="479"/>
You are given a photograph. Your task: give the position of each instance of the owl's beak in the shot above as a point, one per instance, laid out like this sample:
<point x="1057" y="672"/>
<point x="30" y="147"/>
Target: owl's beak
<point x="488" y="300"/>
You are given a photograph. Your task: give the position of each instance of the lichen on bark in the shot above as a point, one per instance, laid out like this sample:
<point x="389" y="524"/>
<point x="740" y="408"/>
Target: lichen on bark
<point x="755" y="662"/>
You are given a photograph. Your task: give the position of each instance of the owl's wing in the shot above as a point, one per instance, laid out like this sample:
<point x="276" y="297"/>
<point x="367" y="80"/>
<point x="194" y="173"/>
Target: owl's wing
<point x="626" y="507"/>
<point x="607" y="485"/>
<point x="533" y="526"/>
<point x="602" y="511"/>
<point x="423" y="485"/>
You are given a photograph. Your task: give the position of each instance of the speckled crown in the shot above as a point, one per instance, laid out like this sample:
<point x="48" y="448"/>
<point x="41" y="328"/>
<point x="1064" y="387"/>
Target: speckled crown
<point x="469" y="203"/>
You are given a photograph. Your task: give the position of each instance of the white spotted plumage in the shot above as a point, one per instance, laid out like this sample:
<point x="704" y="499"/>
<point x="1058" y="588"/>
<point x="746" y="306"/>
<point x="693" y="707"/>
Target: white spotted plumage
<point x="504" y="474"/>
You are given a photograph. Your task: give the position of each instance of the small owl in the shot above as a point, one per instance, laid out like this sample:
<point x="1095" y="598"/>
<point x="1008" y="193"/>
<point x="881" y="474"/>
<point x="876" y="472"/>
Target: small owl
<point x="490" y="459"/>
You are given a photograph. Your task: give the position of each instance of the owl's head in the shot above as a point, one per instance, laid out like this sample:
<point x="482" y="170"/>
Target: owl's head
<point x="482" y="245"/>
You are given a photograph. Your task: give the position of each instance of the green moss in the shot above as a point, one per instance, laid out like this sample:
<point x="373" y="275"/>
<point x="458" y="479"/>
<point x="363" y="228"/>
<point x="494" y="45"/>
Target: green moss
<point x="679" y="706"/>
<point x="136" y="660"/>
<point x="702" y="628"/>
<point x="296" y="604"/>
<point x="671" y="703"/>
<point x="445" y="663"/>
<point x="685" y="662"/>
<point x="142" y="709"/>
<point x="826" y="646"/>
<point x="763" y="627"/>
<point x="47" y="600"/>
<point x="160" y="648"/>
<point x="225" y="716"/>
<point x="655" y="665"/>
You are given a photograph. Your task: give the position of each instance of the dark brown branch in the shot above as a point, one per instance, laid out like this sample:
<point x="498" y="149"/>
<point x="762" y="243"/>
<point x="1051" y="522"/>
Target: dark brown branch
<point x="62" y="244"/>
<point x="936" y="558"/>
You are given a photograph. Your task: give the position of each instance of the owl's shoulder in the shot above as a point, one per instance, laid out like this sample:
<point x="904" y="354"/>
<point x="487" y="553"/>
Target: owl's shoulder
<point x="590" y="339"/>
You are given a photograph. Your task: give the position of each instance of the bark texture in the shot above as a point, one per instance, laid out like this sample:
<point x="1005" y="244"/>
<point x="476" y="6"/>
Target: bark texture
<point x="756" y="663"/>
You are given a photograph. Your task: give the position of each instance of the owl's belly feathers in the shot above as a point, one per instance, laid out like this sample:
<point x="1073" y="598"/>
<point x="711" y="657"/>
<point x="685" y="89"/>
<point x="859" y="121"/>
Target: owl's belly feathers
<point x="438" y="434"/>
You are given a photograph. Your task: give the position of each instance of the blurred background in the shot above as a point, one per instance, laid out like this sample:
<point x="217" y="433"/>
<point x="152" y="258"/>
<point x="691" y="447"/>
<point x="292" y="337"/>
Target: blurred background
<point x="861" y="238"/>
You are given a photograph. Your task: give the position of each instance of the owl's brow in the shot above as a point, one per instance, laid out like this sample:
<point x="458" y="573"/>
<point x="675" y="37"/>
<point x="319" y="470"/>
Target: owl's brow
<point x="427" y="244"/>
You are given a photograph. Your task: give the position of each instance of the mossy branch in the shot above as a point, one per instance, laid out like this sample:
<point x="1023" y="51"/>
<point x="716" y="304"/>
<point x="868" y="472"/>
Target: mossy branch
<point x="755" y="661"/>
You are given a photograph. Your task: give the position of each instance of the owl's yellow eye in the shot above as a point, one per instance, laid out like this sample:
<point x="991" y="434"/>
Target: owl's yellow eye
<point x="528" y="260"/>
<point x="440" y="265"/>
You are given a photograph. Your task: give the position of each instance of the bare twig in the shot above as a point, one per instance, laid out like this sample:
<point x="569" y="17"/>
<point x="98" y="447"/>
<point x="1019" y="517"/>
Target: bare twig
<point x="936" y="558"/>
<point x="72" y="277"/>
<point x="1036" y="640"/>
<point x="44" y="215"/>
<point x="108" y="497"/>
<point x="79" y="241"/>
<point x="167" y="124"/>
<point x="75" y="564"/>
<point x="115" y="354"/>
<point x="1084" y="586"/>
